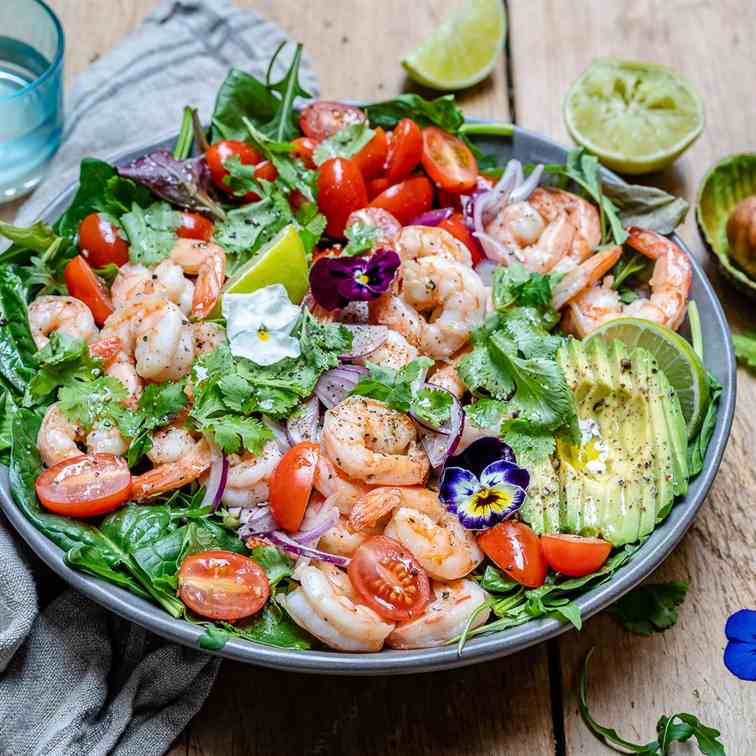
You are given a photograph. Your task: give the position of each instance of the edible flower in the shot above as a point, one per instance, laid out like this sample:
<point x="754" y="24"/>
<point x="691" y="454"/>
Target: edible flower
<point x="337" y="281"/>
<point x="740" y="652"/>
<point x="484" y="485"/>
<point x="259" y="325"/>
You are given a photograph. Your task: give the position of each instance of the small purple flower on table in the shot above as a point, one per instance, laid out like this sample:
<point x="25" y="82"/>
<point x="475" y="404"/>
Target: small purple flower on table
<point x="337" y="281"/>
<point x="484" y="485"/>
<point x="740" y="652"/>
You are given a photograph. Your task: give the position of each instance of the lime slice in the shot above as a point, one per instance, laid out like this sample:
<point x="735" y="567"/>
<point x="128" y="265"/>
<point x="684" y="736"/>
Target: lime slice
<point x="636" y="117"/>
<point x="676" y="358"/>
<point x="463" y="50"/>
<point x="282" y="260"/>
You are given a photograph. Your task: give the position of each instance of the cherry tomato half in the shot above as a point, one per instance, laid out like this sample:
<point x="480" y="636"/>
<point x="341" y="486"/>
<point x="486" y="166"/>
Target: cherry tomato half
<point x="291" y="485"/>
<point x="101" y="241"/>
<point x="406" y="199"/>
<point x="323" y="118"/>
<point x="218" y="153"/>
<point x="389" y="580"/>
<point x="303" y="149"/>
<point x="514" y="548"/>
<point x="85" y="486"/>
<point x="448" y="160"/>
<point x="371" y="159"/>
<point x="574" y="555"/>
<point x="405" y="150"/>
<point x="222" y="585"/>
<point x="456" y="226"/>
<point x="83" y="284"/>
<point x="341" y="191"/>
<point x="195" y="226"/>
<point x="376" y="187"/>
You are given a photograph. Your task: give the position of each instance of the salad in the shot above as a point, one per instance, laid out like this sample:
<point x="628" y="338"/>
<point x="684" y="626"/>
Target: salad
<point x="332" y="377"/>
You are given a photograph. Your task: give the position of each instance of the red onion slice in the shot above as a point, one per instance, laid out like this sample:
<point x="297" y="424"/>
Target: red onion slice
<point x="291" y="546"/>
<point x="259" y="522"/>
<point x="485" y="269"/>
<point x="216" y="481"/>
<point x="335" y="385"/>
<point x="279" y="433"/>
<point x="304" y="424"/>
<point x="432" y="217"/>
<point x="323" y="521"/>
<point x="365" y="340"/>
<point x="440" y="446"/>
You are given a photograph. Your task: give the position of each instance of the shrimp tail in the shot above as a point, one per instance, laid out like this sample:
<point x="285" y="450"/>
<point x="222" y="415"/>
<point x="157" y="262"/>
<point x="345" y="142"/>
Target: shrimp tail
<point x="587" y="273"/>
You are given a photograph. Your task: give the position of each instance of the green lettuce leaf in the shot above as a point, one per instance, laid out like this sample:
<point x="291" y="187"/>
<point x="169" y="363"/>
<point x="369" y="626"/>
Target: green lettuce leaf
<point x="651" y="607"/>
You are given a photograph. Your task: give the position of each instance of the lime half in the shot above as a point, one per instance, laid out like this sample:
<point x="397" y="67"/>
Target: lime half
<point x="282" y="260"/>
<point x="676" y="358"/>
<point x="463" y="50"/>
<point x="636" y="117"/>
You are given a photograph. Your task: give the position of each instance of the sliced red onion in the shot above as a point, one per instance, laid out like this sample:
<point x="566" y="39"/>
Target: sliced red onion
<point x="527" y="187"/>
<point x="304" y="424"/>
<point x="432" y="217"/>
<point x="485" y="269"/>
<point x="335" y="385"/>
<point x="365" y="340"/>
<point x="323" y="521"/>
<point x="216" y="481"/>
<point x="259" y="522"/>
<point x="291" y="546"/>
<point x="440" y="446"/>
<point x="279" y="433"/>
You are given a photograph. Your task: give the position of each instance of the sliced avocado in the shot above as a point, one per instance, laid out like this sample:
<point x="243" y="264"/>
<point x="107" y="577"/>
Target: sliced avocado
<point x="632" y="462"/>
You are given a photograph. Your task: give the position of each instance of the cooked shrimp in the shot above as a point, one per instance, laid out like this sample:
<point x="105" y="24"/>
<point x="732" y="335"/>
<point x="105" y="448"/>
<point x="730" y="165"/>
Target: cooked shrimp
<point x="335" y="486"/>
<point x="388" y="226"/>
<point x="207" y="261"/>
<point x="373" y="443"/>
<point x="166" y="280"/>
<point x="427" y="241"/>
<point x="670" y="286"/>
<point x="326" y="605"/>
<point x="155" y="331"/>
<point x="106" y="438"/>
<point x="377" y="504"/>
<point x="49" y="314"/>
<point x="342" y="541"/>
<point x="207" y="337"/>
<point x="444" y="618"/>
<point x="124" y="370"/>
<point x="170" y="444"/>
<point x="584" y="275"/>
<point x="249" y="476"/>
<point x="395" y="352"/>
<point x="441" y="545"/>
<point x="450" y="292"/>
<point x="445" y="375"/>
<point x="172" y="475"/>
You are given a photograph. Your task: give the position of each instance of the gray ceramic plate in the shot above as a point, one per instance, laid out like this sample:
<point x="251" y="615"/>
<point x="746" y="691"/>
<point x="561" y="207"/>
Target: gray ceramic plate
<point x="529" y="148"/>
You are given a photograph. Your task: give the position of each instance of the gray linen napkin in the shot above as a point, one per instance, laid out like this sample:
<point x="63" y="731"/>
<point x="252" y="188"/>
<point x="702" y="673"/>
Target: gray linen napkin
<point x="76" y="679"/>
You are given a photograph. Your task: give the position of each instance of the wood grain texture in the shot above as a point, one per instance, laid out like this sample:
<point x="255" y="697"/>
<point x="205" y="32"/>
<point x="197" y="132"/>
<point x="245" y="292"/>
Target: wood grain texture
<point x="637" y="679"/>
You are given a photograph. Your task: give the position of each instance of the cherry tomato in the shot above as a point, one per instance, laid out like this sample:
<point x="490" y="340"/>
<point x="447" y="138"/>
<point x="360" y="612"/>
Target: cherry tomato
<point x="406" y="199"/>
<point x="449" y="199"/>
<point x="389" y="580"/>
<point x="218" y="153"/>
<point x="323" y="119"/>
<point x="303" y="149"/>
<point x="574" y="555"/>
<point x="222" y="585"/>
<point x="85" y="486"/>
<point x="266" y="170"/>
<point x="514" y="548"/>
<point x="83" y="284"/>
<point x="456" y="226"/>
<point x="291" y="485"/>
<point x="448" y="160"/>
<point x="101" y="241"/>
<point x="405" y="150"/>
<point x="195" y="226"/>
<point x="341" y="191"/>
<point x="372" y="157"/>
<point x="376" y="187"/>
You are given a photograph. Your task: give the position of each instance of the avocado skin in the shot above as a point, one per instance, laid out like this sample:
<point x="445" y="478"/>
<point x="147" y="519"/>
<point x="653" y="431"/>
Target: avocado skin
<point x="640" y="420"/>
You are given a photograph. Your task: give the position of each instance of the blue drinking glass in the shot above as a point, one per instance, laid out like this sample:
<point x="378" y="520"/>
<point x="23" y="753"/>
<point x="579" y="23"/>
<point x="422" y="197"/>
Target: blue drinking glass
<point x="31" y="94"/>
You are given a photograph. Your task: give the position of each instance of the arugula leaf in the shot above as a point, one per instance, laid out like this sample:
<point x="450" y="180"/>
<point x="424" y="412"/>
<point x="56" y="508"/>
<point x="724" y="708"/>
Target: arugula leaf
<point x="650" y="608"/>
<point x="273" y="627"/>
<point x="35" y="238"/>
<point x="344" y="143"/>
<point x="283" y="126"/>
<point x="697" y="447"/>
<point x="745" y="348"/>
<point x="151" y="232"/>
<point x="495" y="581"/>
<point x="276" y="564"/>
<point x="442" y="112"/>
<point x="361" y="238"/>
<point x="183" y="147"/>
<point x="627" y="266"/>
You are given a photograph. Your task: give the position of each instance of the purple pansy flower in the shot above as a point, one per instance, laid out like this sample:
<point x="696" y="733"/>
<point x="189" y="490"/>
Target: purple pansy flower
<point x="483" y="485"/>
<point x="740" y="652"/>
<point x="337" y="281"/>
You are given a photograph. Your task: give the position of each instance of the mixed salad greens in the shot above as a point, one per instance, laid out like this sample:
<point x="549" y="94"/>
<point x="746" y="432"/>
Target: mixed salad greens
<point x="219" y="485"/>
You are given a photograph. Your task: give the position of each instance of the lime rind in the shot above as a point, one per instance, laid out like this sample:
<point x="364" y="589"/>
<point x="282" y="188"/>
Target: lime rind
<point x="725" y="184"/>
<point x="463" y="50"/>
<point x="675" y="356"/>
<point x="636" y="117"/>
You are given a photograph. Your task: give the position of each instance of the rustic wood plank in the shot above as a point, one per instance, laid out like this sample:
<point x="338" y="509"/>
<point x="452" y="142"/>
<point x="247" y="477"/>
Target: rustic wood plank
<point x="636" y="679"/>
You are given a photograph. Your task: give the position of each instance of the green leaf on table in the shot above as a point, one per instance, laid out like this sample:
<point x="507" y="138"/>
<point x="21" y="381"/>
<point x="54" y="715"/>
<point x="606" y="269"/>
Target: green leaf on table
<point x="650" y="608"/>
<point x="346" y="142"/>
<point x="745" y="348"/>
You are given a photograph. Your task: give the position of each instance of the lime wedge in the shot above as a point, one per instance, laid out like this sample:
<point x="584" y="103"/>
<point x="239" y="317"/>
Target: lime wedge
<point x="463" y="50"/>
<point x="676" y="358"/>
<point x="635" y="117"/>
<point x="282" y="260"/>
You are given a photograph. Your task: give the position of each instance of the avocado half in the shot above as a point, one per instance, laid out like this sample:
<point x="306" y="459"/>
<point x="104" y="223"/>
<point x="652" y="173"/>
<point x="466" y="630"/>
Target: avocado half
<point x="724" y="186"/>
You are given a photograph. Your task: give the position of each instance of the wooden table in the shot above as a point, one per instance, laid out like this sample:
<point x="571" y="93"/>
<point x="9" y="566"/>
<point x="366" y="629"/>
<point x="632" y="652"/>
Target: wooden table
<point x="524" y="704"/>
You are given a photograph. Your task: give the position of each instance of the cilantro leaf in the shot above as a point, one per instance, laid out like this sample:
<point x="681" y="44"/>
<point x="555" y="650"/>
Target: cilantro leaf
<point x="151" y="232"/>
<point x="650" y="608"/>
<point x="362" y="237"/>
<point x="345" y="142"/>
<point x="322" y="343"/>
<point x="86" y="402"/>
<point x="530" y="448"/>
<point x="515" y="285"/>
<point x="432" y="408"/>
<point x="235" y="432"/>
